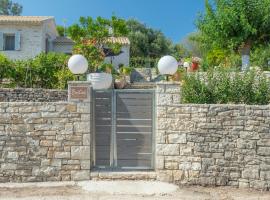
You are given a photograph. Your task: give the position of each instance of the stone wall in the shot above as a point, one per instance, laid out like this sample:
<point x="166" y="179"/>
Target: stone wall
<point x="212" y="144"/>
<point x="44" y="141"/>
<point x="32" y="95"/>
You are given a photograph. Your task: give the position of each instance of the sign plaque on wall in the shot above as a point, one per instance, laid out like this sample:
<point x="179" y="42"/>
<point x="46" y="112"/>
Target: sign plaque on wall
<point x="78" y="92"/>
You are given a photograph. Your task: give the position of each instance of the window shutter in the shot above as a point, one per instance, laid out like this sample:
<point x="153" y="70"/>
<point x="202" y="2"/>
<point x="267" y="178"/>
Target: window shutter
<point x="17" y="41"/>
<point x="1" y="41"/>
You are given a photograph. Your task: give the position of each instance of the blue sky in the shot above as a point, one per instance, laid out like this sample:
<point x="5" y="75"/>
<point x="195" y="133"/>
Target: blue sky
<point x="173" y="17"/>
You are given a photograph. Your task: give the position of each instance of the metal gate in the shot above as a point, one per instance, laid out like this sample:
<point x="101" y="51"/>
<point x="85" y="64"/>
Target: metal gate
<point x="124" y="129"/>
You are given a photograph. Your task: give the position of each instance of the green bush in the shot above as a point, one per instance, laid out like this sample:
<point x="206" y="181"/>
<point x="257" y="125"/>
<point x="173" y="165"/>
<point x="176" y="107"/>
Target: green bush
<point x="224" y="58"/>
<point x="220" y="86"/>
<point x="141" y="62"/>
<point x="6" y="68"/>
<point x="260" y="57"/>
<point x="47" y="71"/>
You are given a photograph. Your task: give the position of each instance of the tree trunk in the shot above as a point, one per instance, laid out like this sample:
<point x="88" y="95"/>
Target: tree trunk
<point x="245" y="53"/>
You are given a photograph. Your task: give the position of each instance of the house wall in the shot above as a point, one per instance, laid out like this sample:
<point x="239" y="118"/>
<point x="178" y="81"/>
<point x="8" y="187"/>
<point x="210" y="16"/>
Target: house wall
<point x="63" y="48"/>
<point x="31" y="41"/>
<point x="48" y="31"/>
<point x="123" y="58"/>
<point x="211" y="144"/>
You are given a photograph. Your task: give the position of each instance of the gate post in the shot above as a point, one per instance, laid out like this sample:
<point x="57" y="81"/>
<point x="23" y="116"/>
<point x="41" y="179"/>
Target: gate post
<point x="80" y="94"/>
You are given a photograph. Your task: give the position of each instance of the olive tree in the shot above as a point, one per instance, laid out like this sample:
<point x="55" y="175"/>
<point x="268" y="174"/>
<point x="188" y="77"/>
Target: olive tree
<point x="236" y="24"/>
<point x="7" y="7"/>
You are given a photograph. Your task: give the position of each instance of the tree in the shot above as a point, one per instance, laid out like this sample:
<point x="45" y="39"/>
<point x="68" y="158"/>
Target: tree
<point x="194" y="45"/>
<point x="235" y="24"/>
<point x="61" y="30"/>
<point x="91" y="37"/>
<point x="147" y="42"/>
<point x="7" y="7"/>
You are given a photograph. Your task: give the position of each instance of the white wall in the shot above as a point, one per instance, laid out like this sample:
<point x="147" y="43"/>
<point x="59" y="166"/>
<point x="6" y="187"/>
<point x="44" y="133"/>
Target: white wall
<point x="33" y="39"/>
<point x="123" y="58"/>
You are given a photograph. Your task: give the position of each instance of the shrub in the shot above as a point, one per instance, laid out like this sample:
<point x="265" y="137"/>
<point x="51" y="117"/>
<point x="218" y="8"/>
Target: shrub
<point x="6" y="68"/>
<point x="221" y="86"/>
<point x="44" y="71"/>
<point x="141" y="62"/>
<point x="260" y="56"/>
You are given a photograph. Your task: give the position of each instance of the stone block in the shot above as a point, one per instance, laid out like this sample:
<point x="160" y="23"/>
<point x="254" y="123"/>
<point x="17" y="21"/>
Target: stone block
<point x="171" y="165"/>
<point x="168" y="149"/>
<point x="165" y="175"/>
<point x="85" y="164"/>
<point x="263" y="151"/>
<point x="83" y="108"/>
<point x="80" y="152"/>
<point x="185" y="166"/>
<point x="178" y="175"/>
<point x="265" y="175"/>
<point x="80" y="175"/>
<point x="177" y="138"/>
<point x="207" y="181"/>
<point x="46" y="143"/>
<point x="13" y="155"/>
<point x="62" y="155"/>
<point x="82" y="127"/>
<point x="86" y="139"/>
<point x="251" y="172"/>
<point x="8" y="166"/>
<point x="160" y="162"/>
<point x="196" y="166"/>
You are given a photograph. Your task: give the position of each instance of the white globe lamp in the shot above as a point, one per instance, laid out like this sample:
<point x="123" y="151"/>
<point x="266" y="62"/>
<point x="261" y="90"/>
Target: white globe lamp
<point x="77" y="64"/>
<point x="167" y="65"/>
<point x="186" y="65"/>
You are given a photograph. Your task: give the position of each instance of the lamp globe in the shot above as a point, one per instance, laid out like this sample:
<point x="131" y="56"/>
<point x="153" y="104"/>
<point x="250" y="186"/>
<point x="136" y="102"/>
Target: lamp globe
<point x="77" y="64"/>
<point x="167" y="65"/>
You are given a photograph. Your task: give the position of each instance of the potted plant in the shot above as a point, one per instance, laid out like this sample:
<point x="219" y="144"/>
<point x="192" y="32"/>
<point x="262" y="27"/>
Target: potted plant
<point x="195" y="62"/>
<point x="121" y="78"/>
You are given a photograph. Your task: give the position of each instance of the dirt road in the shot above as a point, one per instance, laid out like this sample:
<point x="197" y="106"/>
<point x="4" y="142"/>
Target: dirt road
<point x="75" y="192"/>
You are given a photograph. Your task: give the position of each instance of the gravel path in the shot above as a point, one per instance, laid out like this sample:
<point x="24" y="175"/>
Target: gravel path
<point x="75" y="191"/>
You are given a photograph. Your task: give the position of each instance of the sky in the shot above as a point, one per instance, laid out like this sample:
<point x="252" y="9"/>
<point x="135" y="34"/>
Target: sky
<point x="175" y="18"/>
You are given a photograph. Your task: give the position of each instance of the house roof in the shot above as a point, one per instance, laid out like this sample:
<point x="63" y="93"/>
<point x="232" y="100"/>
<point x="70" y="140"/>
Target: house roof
<point x="118" y="40"/>
<point x="36" y="20"/>
<point x="63" y="40"/>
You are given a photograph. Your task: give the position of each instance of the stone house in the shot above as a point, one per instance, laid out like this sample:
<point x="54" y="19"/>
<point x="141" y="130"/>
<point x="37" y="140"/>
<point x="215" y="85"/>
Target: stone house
<point x="23" y="37"/>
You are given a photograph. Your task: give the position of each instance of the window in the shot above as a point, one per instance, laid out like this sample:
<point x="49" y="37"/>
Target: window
<point x="9" y="42"/>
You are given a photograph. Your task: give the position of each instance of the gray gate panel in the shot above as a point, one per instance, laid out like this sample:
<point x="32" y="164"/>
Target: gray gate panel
<point x="124" y="128"/>
<point x="103" y="127"/>
<point x="134" y="140"/>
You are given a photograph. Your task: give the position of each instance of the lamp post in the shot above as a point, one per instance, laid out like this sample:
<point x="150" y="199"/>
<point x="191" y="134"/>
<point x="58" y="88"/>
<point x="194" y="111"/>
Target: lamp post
<point x="78" y="65"/>
<point x="167" y="65"/>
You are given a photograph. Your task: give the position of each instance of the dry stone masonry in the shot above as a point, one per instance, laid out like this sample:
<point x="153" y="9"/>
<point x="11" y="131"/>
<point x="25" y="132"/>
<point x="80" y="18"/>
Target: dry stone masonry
<point x="212" y="144"/>
<point x="32" y="95"/>
<point x="194" y="144"/>
<point x="44" y="141"/>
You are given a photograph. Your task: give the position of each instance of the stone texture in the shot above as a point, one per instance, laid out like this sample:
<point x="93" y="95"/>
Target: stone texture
<point x="80" y="152"/>
<point x="31" y="95"/>
<point x="80" y="175"/>
<point x="218" y="144"/>
<point x="37" y="142"/>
